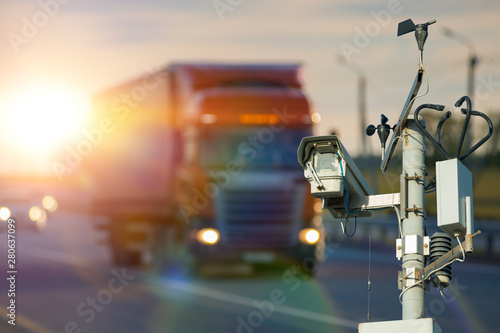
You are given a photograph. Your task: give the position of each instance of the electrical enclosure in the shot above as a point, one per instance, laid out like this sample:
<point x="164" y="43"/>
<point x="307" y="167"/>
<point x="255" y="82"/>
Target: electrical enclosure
<point x="453" y="186"/>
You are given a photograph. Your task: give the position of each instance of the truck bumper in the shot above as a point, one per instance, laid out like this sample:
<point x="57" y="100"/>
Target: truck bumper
<point x="218" y="253"/>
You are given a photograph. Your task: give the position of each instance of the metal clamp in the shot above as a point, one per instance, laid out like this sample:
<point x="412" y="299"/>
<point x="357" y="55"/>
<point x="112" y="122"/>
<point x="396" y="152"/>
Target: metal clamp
<point x="411" y="244"/>
<point x="409" y="277"/>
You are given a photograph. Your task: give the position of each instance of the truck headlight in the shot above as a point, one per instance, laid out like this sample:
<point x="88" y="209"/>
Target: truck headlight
<point x="208" y="236"/>
<point x="4" y="213"/>
<point x="309" y="236"/>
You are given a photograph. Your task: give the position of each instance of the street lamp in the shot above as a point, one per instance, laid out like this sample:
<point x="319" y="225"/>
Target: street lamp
<point x="472" y="62"/>
<point x="361" y="99"/>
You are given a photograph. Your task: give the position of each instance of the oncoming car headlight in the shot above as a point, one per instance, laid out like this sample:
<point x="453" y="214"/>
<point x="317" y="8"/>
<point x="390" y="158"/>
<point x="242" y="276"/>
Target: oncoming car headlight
<point x="208" y="236"/>
<point x="49" y="203"/>
<point x="4" y="213"/>
<point x="309" y="236"/>
<point x="36" y="214"/>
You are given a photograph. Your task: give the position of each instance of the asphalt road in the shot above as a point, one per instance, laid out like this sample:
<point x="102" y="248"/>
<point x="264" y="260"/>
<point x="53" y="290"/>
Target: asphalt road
<point x="65" y="283"/>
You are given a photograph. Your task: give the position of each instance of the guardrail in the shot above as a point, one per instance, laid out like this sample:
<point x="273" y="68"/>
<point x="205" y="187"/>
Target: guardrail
<point x="384" y="229"/>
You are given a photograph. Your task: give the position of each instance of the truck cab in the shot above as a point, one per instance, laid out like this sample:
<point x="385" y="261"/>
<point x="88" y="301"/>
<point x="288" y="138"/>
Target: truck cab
<point x="206" y="154"/>
<point x="240" y="188"/>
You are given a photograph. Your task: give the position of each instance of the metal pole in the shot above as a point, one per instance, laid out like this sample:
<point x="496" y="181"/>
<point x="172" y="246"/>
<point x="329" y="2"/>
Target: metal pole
<point x="413" y="224"/>
<point x="470" y="90"/>
<point x="361" y="87"/>
<point x="470" y="74"/>
<point x="472" y="62"/>
<point x="362" y="112"/>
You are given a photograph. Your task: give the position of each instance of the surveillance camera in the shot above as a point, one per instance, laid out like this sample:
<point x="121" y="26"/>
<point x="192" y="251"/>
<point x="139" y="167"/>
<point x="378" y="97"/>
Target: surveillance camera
<point x="333" y="175"/>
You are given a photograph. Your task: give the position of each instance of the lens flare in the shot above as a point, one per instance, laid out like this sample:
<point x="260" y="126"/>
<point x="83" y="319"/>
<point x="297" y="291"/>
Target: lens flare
<point x="36" y="213"/>
<point x="49" y="203"/>
<point x="208" y="236"/>
<point x="41" y="116"/>
<point x="309" y="236"/>
<point x="4" y="213"/>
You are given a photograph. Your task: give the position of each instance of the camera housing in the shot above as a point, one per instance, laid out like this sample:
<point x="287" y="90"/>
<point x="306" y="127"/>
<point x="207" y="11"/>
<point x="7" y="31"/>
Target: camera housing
<point x="333" y="175"/>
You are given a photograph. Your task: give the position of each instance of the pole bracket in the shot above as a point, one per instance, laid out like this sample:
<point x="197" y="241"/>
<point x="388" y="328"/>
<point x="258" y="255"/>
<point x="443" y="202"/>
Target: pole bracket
<point x="417" y="211"/>
<point x="412" y="244"/>
<point x="409" y="277"/>
<point x="418" y="179"/>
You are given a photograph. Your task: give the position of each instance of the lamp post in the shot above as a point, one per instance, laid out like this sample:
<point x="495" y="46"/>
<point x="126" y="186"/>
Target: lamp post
<point x="472" y="62"/>
<point x="361" y="100"/>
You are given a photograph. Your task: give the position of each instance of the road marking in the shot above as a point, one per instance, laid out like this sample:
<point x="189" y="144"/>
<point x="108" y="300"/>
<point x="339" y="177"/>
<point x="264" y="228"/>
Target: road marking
<point x="205" y="291"/>
<point x="225" y="296"/>
<point x="247" y="301"/>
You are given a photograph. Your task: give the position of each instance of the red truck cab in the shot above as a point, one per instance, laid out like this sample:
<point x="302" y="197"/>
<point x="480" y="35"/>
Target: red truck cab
<point x="207" y="152"/>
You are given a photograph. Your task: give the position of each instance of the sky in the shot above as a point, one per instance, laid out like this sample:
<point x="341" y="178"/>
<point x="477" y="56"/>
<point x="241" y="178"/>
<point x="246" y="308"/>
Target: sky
<point x="80" y="47"/>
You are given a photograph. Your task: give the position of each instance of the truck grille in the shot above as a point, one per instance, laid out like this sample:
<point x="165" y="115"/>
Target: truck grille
<point x="257" y="219"/>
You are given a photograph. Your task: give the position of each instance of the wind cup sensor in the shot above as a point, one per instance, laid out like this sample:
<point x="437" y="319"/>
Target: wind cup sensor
<point x="382" y="130"/>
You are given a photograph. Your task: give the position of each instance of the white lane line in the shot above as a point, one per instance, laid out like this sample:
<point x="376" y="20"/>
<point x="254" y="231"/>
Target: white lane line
<point x="250" y="302"/>
<point x="206" y="292"/>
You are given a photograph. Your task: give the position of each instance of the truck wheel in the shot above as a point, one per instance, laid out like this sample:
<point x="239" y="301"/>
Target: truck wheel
<point x="133" y="258"/>
<point x="195" y="268"/>
<point x="308" y="268"/>
<point x="122" y="257"/>
<point x="170" y="244"/>
<point x="157" y="252"/>
<point x="134" y="243"/>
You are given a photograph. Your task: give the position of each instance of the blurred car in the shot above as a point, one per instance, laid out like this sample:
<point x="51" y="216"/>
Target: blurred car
<point x="28" y="209"/>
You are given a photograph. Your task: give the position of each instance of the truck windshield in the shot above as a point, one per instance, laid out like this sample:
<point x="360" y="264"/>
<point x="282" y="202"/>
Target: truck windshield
<point x="253" y="146"/>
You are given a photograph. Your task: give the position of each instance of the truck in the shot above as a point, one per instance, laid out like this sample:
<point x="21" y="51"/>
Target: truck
<point x="205" y="155"/>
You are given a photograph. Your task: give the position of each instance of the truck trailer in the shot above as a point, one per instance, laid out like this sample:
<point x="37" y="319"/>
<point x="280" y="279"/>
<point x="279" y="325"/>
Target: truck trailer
<point x="205" y="154"/>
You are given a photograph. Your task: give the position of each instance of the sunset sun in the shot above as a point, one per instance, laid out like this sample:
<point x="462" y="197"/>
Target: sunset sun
<point x="40" y="119"/>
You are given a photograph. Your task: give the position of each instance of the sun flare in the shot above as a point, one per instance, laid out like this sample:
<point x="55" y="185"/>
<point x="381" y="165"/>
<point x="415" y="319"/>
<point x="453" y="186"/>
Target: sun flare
<point x="41" y="119"/>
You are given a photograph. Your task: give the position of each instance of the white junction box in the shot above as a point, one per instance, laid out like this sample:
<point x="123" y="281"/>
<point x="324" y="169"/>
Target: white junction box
<point x="423" y="325"/>
<point x="454" y="198"/>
